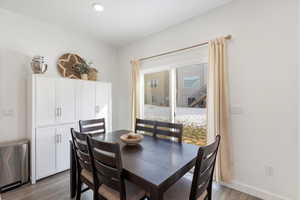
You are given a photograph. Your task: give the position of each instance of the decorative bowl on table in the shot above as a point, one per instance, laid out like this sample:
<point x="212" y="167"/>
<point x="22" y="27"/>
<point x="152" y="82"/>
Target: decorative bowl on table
<point x="131" y="138"/>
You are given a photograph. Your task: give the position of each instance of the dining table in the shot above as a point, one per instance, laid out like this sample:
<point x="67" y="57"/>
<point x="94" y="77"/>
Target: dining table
<point x="155" y="164"/>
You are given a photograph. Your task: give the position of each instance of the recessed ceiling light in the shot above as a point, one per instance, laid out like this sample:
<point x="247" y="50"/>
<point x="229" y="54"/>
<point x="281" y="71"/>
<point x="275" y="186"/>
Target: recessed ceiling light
<point x="98" y="7"/>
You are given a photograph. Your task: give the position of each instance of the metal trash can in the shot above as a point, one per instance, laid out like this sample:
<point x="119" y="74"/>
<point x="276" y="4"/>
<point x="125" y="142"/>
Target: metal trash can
<point x="14" y="164"/>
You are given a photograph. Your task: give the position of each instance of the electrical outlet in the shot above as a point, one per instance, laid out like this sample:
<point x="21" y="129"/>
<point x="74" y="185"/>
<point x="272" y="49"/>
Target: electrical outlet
<point x="269" y="171"/>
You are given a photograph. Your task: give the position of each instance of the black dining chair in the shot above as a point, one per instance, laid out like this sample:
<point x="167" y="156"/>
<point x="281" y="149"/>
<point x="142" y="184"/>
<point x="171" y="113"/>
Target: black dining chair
<point x="168" y="129"/>
<point x="108" y="173"/>
<point x="83" y="162"/>
<point x="95" y="126"/>
<point x="200" y="187"/>
<point x="144" y="126"/>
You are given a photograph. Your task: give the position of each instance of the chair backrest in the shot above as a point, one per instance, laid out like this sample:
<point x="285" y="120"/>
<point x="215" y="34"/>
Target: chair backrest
<point x="81" y="150"/>
<point x="95" y="126"/>
<point x="204" y="169"/>
<point x="144" y="126"/>
<point x="107" y="165"/>
<point x="168" y="129"/>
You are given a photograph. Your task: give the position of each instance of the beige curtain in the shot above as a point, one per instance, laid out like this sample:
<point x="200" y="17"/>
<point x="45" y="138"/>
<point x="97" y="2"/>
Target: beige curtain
<point x="218" y="106"/>
<point x="135" y="106"/>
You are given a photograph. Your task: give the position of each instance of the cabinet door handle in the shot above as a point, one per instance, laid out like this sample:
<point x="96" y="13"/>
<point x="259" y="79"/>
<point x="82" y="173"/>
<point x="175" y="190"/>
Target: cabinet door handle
<point x="97" y="109"/>
<point x="56" y="139"/>
<point x="56" y="112"/>
<point x="60" y="111"/>
<point x="59" y="138"/>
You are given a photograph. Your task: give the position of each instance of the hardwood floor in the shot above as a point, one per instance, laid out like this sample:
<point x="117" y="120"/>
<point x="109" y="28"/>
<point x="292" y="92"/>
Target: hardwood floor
<point x="57" y="188"/>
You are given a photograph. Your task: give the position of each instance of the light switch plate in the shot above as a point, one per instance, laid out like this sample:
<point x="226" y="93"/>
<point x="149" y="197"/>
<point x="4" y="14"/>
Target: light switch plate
<point x="8" y="112"/>
<point x="236" y="110"/>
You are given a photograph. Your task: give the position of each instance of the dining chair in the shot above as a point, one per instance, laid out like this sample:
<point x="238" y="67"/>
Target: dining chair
<point x="95" y="126"/>
<point x="200" y="187"/>
<point x="108" y="173"/>
<point x="83" y="162"/>
<point x="145" y="126"/>
<point x="168" y="129"/>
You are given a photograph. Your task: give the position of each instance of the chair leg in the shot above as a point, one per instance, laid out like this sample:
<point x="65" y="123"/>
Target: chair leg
<point x="78" y="190"/>
<point x="95" y="194"/>
<point x="209" y="191"/>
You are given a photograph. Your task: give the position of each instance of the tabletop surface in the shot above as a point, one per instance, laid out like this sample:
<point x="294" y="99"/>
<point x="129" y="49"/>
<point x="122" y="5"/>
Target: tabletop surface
<point x="154" y="160"/>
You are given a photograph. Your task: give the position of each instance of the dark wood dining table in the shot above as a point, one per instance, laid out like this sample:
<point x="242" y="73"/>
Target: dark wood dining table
<point x="155" y="164"/>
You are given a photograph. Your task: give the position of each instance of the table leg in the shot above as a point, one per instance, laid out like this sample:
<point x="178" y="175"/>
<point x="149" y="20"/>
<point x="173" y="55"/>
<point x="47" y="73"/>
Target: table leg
<point x="156" y="195"/>
<point x="72" y="172"/>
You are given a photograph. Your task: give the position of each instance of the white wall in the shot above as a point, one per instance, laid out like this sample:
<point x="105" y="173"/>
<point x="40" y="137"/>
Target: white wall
<point x="298" y="97"/>
<point x="263" y="83"/>
<point x="20" y="39"/>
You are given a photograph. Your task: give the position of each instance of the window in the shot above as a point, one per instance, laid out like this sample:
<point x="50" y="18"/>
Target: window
<point x="191" y="82"/>
<point x="156" y="96"/>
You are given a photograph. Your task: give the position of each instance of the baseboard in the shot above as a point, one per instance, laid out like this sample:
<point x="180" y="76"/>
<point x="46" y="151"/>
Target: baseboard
<point x="259" y="193"/>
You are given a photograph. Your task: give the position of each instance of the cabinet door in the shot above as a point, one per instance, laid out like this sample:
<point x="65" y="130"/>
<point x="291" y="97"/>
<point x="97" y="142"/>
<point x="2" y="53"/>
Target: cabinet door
<point x="86" y="100"/>
<point x="45" y="101"/>
<point x="65" y="100"/>
<point x="63" y="148"/>
<point x="103" y="106"/>
<point x="45" y="151"/>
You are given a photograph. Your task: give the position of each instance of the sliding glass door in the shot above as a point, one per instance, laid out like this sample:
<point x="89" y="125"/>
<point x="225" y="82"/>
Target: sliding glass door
<point x="191" y="94"/>
<point x="177" y="94"/>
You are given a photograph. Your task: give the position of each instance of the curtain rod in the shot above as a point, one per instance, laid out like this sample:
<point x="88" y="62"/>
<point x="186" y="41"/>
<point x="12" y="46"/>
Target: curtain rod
<point x="228" y="37"/>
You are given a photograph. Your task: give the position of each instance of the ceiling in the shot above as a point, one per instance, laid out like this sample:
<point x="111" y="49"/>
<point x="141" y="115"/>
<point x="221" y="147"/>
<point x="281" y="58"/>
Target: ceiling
<point x="122" y="21"/>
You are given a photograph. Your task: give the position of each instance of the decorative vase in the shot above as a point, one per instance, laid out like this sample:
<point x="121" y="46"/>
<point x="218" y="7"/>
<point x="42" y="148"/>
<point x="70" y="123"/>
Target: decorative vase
<point x="93" y="74"/>
<point x="38" y="65"/>
<point x="84" y="76"/>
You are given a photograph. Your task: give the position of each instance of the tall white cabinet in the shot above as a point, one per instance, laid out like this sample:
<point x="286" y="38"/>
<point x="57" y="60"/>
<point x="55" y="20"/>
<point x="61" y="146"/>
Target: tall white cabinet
<point x="55" y="105"/>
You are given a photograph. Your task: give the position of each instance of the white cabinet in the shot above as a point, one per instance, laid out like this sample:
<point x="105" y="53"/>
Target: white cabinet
<point x="45" y="101"/>
<point x="52" y="150"/>
<point x="55" y="101"/>
<point x="103" y="103"/>
<point x="85" y="100"/>
<point x="65" y="100"/>
<point x="63" y="147"/>
<point x="54" y="107"/>
<point x="94" y="101"/>
<point x="45" y="151"/>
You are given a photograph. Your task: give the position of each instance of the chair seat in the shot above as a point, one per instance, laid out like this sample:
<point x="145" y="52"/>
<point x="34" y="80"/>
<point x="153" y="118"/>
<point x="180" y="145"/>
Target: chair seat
<point x="181" y="190"/>
<point x="87" y="175"/>
<point x="133" y="192"/>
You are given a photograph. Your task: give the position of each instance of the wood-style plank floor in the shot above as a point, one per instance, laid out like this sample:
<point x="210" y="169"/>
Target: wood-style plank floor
<point x="57" y="188"/>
